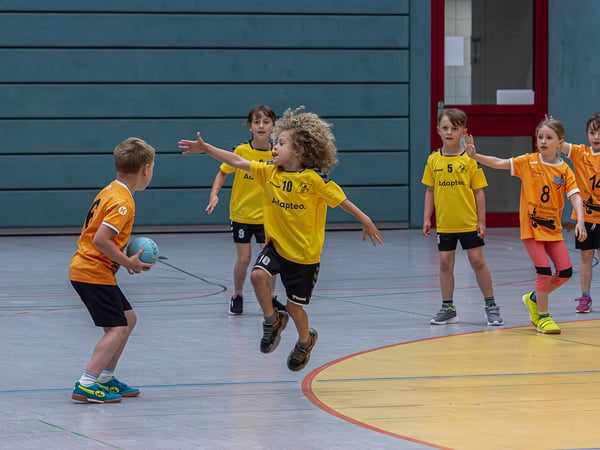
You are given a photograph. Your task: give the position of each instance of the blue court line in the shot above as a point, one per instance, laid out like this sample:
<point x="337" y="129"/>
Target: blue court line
<point x="437" y="377"/>
<point x="230" y="383"/>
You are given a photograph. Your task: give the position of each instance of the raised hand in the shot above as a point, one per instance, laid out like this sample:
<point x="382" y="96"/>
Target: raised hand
<point x="469" y="144"/>
<point x="197" y="146"/>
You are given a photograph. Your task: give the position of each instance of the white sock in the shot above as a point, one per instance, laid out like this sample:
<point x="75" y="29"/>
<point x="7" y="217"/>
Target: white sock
<point x="106" y="375"/>
<point x="88" y="378"/>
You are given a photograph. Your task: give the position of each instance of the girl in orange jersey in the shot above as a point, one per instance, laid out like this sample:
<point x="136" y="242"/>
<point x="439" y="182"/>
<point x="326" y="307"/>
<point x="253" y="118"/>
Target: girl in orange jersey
<point x="545" y="179"/>
<point x="586" y="163"/>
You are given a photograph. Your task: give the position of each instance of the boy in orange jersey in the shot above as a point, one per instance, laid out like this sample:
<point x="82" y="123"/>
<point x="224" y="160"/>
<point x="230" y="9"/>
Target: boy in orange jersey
<point x="586" y="162"/>
<point x="93" y="267"/>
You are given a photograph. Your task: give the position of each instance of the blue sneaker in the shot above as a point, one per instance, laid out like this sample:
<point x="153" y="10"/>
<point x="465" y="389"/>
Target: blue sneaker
<point x="94" y="394"/>
<point x="118" y="387"/>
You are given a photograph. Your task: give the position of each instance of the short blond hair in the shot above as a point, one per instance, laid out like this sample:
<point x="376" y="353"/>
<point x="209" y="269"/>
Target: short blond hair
<point x="311" y="136"/>
<point x="132" y="154"/>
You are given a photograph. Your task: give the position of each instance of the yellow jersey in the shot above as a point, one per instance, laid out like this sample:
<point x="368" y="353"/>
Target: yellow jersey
<point x="454" y="178"/>
<point x="295" y="208"/>
<point x="115" y="208"/>
<point x="543" y="189"/>
<point x="246" y="202"/>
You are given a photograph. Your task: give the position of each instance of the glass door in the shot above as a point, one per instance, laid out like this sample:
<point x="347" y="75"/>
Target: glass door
<point x="490" y="59"/>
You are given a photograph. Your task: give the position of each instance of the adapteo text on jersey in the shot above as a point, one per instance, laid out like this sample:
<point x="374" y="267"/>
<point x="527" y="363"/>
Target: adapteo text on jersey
<point x="286" y="205"/>
<point x="451" y="183"/>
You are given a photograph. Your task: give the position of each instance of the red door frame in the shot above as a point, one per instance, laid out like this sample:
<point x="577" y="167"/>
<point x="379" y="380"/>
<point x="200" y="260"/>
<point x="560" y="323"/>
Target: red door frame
<point x="495" y="120"/>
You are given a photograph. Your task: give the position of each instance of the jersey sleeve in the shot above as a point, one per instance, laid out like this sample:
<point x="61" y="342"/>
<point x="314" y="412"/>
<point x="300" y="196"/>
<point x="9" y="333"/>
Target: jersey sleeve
<point x="478" y="180"/>
<point x="427" y="178"/>
<point x="118" y="215"/>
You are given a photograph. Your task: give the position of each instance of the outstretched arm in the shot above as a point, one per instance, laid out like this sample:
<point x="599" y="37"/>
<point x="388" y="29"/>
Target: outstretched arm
<point x="199" y="146"/>
<point x="580" y="230"/>
<point x="490" y="161"/>
<point x="369" y="227"/>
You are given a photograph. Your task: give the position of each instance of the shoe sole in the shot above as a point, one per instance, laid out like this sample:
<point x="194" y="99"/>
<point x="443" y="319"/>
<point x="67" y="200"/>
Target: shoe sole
<point x="445" y="322"/>
<point x="539" y="330"/>
<point x="275" y="343"/>
<point x="307" y="359"/>
<point x="231" y="313"/>
<point x="83" y="398"/>
<point x="495" y="324"/>
<point x="584" y="312"/>
<point x="130" y="394"/>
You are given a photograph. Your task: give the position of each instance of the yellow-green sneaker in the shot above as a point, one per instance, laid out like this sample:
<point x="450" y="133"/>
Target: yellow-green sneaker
<point x="532" y="307"/>
<point x="547" y="325"/>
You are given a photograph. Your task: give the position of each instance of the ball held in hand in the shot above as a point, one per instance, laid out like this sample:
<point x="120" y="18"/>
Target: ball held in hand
<point x="150" y="253"/>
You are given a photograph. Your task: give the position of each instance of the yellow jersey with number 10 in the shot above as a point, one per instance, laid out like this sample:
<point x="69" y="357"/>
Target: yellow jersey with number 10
<point x="295" y="209"/>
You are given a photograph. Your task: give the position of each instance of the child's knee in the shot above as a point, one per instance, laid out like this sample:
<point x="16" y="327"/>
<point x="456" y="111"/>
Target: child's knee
<point x="565" y="273"/>
<point x="259" y="277"/>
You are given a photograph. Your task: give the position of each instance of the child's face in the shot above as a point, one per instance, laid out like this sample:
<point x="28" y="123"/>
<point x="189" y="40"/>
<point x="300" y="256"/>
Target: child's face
<point x="547" y="141"/>
<point x="261" y="126"/>
<point x="449" y="133"/>
<point x="285" y="154"/>
<point x="594" y="139"/>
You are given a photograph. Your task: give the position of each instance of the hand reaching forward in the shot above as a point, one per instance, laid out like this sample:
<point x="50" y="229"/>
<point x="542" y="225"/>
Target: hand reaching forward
<point x="197" y="146"/>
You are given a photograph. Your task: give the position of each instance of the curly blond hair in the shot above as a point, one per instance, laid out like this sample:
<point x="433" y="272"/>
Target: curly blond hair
<point x="311" y="136"/>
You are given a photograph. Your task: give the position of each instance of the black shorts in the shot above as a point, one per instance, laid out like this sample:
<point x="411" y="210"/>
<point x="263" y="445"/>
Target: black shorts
<point x="298" y="279"/>
<point x="242" y="232"/>
<point x="592" y="241"/>
<point x="105" y="303"/>
<point x="448" y="241"/>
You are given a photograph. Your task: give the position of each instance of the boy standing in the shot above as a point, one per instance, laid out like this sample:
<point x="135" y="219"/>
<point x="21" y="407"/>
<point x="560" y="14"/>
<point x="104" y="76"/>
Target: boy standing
<point x="99" y="255"/>
<point x="455" y="190"/>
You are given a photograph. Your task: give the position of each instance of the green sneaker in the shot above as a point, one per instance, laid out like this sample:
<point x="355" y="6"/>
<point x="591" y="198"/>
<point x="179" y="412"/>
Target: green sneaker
<point x="118" y="387"/>
<point x="298" y="357"/>
<point x="532" y="307"/>
<point x="272" y="333"/>
<point x="547" y="325"/>
<point x="94" y="394"/>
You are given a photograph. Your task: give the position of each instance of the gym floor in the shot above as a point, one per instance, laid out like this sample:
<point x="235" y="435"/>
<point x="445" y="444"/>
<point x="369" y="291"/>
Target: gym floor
<point x="380" y="376"/>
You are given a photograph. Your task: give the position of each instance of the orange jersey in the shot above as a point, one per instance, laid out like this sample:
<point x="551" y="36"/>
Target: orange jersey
<point x="587" y="174"/>
<point x="543" y="189"/>
<point x="115" y="208"/>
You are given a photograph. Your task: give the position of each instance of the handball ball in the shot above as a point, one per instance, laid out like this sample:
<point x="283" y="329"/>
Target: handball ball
<point x="150" y="253"/>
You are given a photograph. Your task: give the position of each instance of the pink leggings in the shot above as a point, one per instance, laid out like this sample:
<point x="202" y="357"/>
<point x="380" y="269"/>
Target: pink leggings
<point x="539" y="251"/>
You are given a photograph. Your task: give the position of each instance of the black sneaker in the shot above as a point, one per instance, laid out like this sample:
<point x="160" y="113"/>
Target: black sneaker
<point x="298" y="358"/>
<point x="272" y="333"/>
<point x="278" y="305"/>
<point x="236" y="305"/>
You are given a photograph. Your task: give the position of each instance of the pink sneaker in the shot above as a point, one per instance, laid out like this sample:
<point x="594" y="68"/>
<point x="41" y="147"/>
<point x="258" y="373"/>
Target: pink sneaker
<point x="585" y="304"/>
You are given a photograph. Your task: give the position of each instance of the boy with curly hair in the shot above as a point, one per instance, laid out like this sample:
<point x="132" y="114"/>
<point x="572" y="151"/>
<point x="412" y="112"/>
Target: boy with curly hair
<point x="297" y="193"/>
